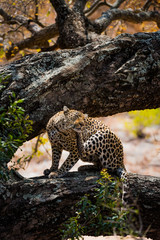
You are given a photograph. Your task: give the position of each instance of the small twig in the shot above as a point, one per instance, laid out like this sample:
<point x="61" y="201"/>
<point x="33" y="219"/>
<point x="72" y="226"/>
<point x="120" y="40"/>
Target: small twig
<point x="14" y="29"/>
<point x="36" y="10"/>
<point x="39" y="23"/>
<point x="147" y="5"/>
<point x="94" y="7"/>
<point x="45" y="149"/>
<point x="35" y="149"/>
<point x="25" y="7"/>
<point x="20" y="20"/>
<point x="98" y="4"/>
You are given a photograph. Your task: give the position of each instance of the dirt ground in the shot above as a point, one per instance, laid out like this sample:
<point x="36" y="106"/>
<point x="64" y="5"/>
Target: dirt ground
<point x="113" y="238"/>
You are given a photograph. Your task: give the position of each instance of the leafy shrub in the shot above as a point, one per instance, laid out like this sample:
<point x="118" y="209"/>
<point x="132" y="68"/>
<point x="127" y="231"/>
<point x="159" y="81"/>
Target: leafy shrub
<point x="103" y="214"/>
<point x="142" y="119"/>
<point x="14" y="129"/>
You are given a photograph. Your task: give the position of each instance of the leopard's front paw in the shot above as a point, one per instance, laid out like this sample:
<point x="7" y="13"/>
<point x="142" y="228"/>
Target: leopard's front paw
<point x="46" y="172"/>
<point x="53" y="175"/>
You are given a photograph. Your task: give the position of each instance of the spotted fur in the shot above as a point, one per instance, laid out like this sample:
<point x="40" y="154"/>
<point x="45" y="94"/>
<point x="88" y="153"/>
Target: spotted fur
<point x="85" y="138"/>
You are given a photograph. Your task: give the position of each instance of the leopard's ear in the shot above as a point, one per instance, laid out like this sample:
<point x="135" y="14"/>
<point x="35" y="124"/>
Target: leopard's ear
<point x="86" y="115"/>
<point x="65" y="109"/>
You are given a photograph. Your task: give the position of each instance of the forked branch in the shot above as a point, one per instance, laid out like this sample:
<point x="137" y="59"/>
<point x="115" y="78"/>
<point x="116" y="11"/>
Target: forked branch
<point x="20" y="20"/>
<point x="37" y="40"/>
<point x="100" y="24"/>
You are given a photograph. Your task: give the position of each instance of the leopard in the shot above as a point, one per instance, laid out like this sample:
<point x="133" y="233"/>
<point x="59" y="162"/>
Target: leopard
<point x="85" y="138"/>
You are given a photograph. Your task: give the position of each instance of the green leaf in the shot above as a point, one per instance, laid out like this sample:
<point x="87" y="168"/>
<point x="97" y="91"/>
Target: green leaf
<point x="48" y="13"/>
<point x="15" y="128"/>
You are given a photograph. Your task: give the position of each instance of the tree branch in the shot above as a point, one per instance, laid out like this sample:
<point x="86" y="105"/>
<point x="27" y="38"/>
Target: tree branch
<point x="71" y="25"/>
<point x="20" y="20"/>
<point x="94" y="7"/>
<point x="103" y="78"/>
<point x="117" y="4"/>
<point x="147" y="5"/>
<point x="104" y="21"/>
<point x="79" y="5"/>
<point x="36" y="10"/>
<point x="39" y="207"/>
<point x="60" y="7"/>
<point x="35" y="41"/>
<point x="100" y="3"/>
<point x="7" y="18"/>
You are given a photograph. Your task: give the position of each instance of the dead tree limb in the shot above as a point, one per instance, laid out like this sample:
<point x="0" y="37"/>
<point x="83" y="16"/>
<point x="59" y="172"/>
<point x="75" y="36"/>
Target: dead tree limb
<point x="36" y="209"/>
<point x="127" y="15"/>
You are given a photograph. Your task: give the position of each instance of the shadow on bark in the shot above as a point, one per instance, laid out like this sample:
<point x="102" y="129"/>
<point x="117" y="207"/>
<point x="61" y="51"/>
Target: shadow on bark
<point x="36" y="208"/>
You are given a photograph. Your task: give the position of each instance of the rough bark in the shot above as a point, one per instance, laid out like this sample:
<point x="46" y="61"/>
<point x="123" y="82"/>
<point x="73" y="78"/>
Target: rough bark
<point x="36" y="209"/>
<point x="73" y="25"/>
<point x="102" y="78"/>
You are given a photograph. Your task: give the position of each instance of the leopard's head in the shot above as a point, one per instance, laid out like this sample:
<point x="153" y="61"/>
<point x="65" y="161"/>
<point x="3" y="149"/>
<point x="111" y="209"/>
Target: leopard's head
<point x="74" y="119"/>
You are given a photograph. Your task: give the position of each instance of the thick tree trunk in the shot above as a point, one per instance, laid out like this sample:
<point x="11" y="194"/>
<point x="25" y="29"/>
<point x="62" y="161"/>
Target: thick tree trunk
<point x="35" y="209"/>
<point x="102" y="78"/>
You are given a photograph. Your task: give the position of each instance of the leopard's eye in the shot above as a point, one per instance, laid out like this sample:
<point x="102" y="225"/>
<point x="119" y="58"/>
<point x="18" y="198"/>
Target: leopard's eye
<point x="77" y="114"/>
